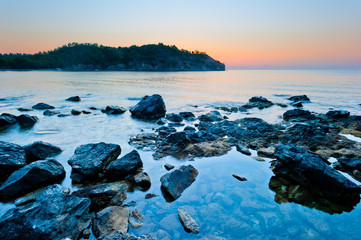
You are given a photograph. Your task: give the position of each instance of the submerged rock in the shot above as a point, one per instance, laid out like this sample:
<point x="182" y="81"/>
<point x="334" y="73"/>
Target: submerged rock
<point x="149" y="108"/>
<point x="12" y="157"/>
<point x="24" y="109"/>
<point x="90" y="160"/>
<point x="135" y="219"/>
<point x="50" y="113"/>
<point x="73" y="99"/>
<point x="40" y="150"/>
<point x="128" y="164"/>
<point x="58" y="216"/>
<point x="187" y="221"/>
<point x="176" y="181"/>
<point x="110" y="220"/>
<point x="26" y="121"/>
<point x="42" y="106"/>
<point x="30" y="177"/>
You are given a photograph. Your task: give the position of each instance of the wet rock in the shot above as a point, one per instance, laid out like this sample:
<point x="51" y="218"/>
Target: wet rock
<point x="351" y="163"/>
<point x="174" y="117"/>
<point x="24" y="109"/>
<point x="63" y="115"/>
<point x="266" y="152"/>
<point x="6" y="121"/>
<point x="188" y="128"/>
<point x="135" y="219"/>
<point x="114" y="110"/>
<point x="93" y="108"/>
<point x="73" y="99"/>
<point x="75" y="112"/>
<point x="144" y="141"/>
<point x="165" y="131"/>
<point x="168" y="166"/>
<point x="208" y="149"/>
<point x="224" y="108"/>
<point x="12" y="157"/>
<point x="179" y="139"/>
<point x="161" y="122"/>
<point x="189" y="116"/>
<point x="351" y="131"/>
<point x="42" y="106"/>
<point x="149" y="108"/>
<point x="128" y="164"/>
<point x="297" y="114"/>
<point x="201" y="136"/>
<point x="212" y="116"/>
<point x="58" y="216"/>
<point x="243" y="149"/>
<point x="150" y="195"/>
<point x="30" y="177"/>
<point x="311" y="171"/>
<point x="187" y="221"/>
<point x="142" y="180"/>
<point x="175" y="182"/>
<point x="338" y="114"/>
<point x="50" y="113"/>
<point x="86" y="112"/>
<point x="40" y="150"/>
<point x="104" y="195"/>
<point x="26" y="121"/>
<point x="297" y="104"/>
<point x="39" y="194"/>
<point x="299" y="98"/>
<point x="258" y="102"/>
<point x="110" y="220"/>
<point x="90" y="160"/>
<point x="125" y="236"/>
<point x="239" y="177"/>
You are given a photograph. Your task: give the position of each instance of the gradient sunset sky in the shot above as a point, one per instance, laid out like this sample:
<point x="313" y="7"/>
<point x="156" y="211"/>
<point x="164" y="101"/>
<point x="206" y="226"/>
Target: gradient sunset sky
<point x="240" y="33"/>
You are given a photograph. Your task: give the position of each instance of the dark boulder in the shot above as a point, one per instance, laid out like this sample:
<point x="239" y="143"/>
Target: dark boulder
<point x="173" y="117"/>
<point x="168" y="166"/>
<point x="50" y="112"/>
<point x="33" y="176"/>
<point x="114" y="110"/>
<point x="179" y="139"/>
<point x="75" y="112"/>
<point x="189" y="116"/>
<point x="110" y="220"/>
<point x="176" y="181"/>
<point x="42" y="106"/>
<point x="90" y="160"/>
<point x="201" y="136"/>
<point x="311" y="171"/>
<point x="297" y="104"/>
<point x="24" y="109"/>
<point x="165" y="131"/>
<point x="12" y="157"/>
<point x="297" y="114"/>
<point x="73" y="99"/>
<point x="189" y="128"/>
<point x="6" y="121"/>
<point x="128" y="164"/>
<point x="104" y="195"/>
<point x="57" y="216"/>
<point x="40" y="150"/>
<point x="149" y="108"/>
<point x="299" y="98"/>
<point x="338" y="114"/>
<point x="26" y="121"/>
<point x="142" y="181"/>
<point x="258" y="102"/>
<point x="212" y="116"/>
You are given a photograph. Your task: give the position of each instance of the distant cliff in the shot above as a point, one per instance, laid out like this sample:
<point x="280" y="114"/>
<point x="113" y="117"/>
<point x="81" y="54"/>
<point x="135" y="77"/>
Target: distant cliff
<point x="89" y="57"/>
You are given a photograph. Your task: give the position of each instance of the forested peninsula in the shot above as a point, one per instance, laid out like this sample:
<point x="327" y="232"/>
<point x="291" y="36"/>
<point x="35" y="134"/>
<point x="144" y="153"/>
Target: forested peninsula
<point x="92" y="57"/>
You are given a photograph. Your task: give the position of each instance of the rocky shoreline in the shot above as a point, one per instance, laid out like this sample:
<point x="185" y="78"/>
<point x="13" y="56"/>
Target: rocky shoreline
<point x="301" y="147"/>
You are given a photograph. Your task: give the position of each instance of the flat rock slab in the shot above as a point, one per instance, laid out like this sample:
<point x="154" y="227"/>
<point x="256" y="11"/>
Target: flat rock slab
<point x="55" y="217"/>
<point x="187" y="221"/>
<point x="30" y="177"/>
<point x="176" y="181"/>
<point x="12" y="157"/>
<point x="90" y="160"/>
<point x="40" y="150"/>
<point x="149" y="108"/>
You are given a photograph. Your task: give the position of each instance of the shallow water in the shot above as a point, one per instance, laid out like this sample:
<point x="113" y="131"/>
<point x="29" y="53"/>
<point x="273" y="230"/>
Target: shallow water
<point x="222" y="206"/>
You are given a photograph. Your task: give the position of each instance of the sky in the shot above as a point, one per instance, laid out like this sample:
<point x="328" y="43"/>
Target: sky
<point x="239" y="33"/>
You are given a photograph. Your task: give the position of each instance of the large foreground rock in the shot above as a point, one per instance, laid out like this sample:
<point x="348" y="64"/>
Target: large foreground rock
<point x="58" y="216"/>
<point x="40" y="150"/>
<point x="110" y="220"/>
<point x="187" y="221"/>
<point x="33" y="176"/>
<point x="311" y="171"/>
<point x="175" y="182"/>
<point x="104" y="195"/>
<point x="90" y="160"/>
<point x="124" y="166"/>
<point x="149" y="108"/>
<point x="12" y="157"/>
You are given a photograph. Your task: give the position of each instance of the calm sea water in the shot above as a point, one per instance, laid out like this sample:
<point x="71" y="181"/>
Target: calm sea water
<point x="223" y="207"/>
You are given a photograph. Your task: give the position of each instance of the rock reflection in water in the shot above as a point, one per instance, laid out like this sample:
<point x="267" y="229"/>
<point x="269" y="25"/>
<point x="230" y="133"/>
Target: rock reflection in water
<point x="290" y="191"/>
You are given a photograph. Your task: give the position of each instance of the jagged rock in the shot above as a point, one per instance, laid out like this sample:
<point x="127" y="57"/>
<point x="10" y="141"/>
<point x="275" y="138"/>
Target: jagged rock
<point x="176" y="181"/>
<point x="179" y="139"/>
<point x="168" y="166"/>
<point x="104" y="195"/>
<point x="142" y="180"/>
<point x="109" y="220"/>
<point x="128" y="164"/>
<point x="297" y="114"/>
<point x="189" y="116"/>
<point x="12" y="157"/>
<point x="299" y="98"/>
<point x="239" y="177"/>
<point x="311" y="171"/>
<point x="50" y="113"/>
<point x="75" y="112"/>
<point x="26" y="121"/>
<point x="144" y="141"/>
<point x="125" y="236"/>
<point x="338" y="114"/>
<point x="39" y="194"/>
<point x="90" y="160"/>
<point x="7" y="120"/>
<point x="30" y="177"/>
<point x="149" y="108"/>
<point x="174" y="117"/>
<point x="135" y="219"/>
<point x="258" y="102"/>
<point x="187" y="221"/>
<point x="114" y="110"/>
<point x="73" y="99"/>
<point x="212" y="116"/>
<point x="42" y="106"/>
<point x="58" y="216"/>
<point x="40" y="151"/>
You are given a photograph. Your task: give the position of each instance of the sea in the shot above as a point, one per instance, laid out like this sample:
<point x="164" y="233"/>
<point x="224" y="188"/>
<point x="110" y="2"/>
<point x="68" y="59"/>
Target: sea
<point x="223" y="207"/>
